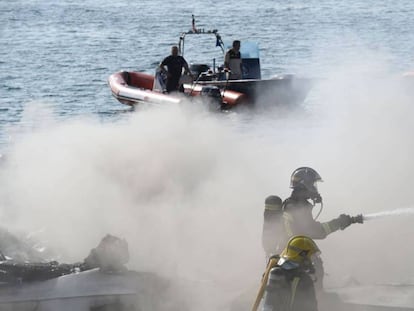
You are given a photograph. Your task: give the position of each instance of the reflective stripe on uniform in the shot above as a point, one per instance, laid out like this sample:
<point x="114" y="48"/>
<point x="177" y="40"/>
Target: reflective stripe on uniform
<point x="273" y="207"/>
<point x="287" y="220"/>
<point x="295" y="283"/>
<point x="327" y="228"/>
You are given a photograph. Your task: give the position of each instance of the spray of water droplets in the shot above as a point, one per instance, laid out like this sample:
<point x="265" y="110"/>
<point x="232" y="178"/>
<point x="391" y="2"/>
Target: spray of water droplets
<point x="396" y="212"/>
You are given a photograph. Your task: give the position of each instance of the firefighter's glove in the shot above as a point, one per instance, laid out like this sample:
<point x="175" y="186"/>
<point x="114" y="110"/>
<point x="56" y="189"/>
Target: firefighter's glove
<point x="344" y="221"/>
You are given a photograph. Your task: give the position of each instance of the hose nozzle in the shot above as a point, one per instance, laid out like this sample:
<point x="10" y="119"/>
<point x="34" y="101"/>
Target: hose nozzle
<point x="357" y="219"/>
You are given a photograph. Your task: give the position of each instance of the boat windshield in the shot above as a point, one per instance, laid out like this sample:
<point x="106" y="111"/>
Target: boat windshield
<point x="203" y="50"/>
<point x="206" y="49"/>
<point x="249" y="52"/>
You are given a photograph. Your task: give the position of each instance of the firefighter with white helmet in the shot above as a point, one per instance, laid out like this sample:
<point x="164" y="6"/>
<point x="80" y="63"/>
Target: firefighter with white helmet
<point x="295" y="217"/>
<point x="297" y="209"/>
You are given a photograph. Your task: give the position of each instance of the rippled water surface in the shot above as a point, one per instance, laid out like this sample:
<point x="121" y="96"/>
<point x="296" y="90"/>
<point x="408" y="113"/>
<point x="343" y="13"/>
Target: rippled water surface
<point x="62" y="52"/>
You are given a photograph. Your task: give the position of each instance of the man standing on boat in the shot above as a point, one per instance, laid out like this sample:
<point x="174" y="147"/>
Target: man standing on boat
<point x="175" y="64"/>
<point x="233" y="62"/>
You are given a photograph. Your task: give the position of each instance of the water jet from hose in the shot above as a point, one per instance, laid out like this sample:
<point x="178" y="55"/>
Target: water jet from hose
<point x="396" y="212"/>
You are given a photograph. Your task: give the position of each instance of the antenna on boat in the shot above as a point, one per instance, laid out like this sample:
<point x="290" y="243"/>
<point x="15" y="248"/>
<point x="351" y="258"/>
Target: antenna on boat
<point x="193" y="27"/>
<point x="201" y="31"/>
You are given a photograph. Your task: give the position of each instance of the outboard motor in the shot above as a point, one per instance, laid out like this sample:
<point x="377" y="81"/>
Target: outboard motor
<point x="213" y="94"/>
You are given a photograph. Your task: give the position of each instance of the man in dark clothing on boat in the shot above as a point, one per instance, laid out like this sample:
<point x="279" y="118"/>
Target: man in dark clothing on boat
<point x="175" y="64"/>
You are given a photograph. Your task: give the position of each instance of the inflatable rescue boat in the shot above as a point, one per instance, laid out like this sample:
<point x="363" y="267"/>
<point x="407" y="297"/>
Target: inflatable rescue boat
<point x="131" y="87"/>
<point x="213" y="81"/>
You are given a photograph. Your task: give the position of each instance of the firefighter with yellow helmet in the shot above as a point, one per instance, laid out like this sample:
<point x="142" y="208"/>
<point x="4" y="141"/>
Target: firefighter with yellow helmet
<point x="287" y="284"/>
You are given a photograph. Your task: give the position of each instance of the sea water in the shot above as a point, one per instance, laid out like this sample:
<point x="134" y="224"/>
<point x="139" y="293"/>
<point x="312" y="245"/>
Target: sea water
<point x="61" y="53"/>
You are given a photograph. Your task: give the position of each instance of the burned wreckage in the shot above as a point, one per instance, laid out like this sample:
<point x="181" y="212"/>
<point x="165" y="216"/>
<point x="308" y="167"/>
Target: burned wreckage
<point x="100" y="282"/>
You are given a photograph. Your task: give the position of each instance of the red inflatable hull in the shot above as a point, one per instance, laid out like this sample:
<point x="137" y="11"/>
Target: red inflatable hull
<point x="131" y="87"/>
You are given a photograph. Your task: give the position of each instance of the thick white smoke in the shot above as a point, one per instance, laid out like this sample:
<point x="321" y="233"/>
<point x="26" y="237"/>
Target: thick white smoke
<point x="182" y="187"/>
<point x="365" y="113"/>
<point x="186" y="187"/>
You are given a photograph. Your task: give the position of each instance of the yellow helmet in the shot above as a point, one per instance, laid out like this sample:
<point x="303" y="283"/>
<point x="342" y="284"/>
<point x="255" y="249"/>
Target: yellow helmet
<point x="299" y="249"/>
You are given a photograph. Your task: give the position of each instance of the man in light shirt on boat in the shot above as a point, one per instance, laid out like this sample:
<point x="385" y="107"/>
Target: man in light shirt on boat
<point x="233" y="61"/>
<point x="175" y="64"/>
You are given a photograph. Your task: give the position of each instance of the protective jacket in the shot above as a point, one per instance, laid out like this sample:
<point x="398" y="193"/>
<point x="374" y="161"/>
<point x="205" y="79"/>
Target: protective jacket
<point x="289" y="290"/>
<point x="298" y="220"/>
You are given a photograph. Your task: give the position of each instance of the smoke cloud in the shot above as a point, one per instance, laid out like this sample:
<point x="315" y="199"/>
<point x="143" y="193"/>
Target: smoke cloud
<point x="186" y="187"/>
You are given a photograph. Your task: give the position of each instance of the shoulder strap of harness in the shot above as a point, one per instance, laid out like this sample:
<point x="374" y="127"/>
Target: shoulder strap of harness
<point x="285" y="203"/>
